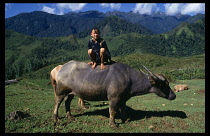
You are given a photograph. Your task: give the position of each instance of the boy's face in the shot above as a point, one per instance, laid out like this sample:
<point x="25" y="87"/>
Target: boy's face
<point x="95" y="34"/>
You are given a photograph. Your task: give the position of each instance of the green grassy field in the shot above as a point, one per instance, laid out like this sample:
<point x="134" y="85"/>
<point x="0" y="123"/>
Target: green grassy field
<point x="145" y="114"/>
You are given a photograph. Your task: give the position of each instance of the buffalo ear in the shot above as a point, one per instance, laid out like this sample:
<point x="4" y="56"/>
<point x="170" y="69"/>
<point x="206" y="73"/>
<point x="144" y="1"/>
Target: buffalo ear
<point x="151" y="80"/>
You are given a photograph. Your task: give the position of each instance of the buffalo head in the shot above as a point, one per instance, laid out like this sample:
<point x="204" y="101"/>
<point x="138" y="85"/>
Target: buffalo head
<point x="160" y="85"/>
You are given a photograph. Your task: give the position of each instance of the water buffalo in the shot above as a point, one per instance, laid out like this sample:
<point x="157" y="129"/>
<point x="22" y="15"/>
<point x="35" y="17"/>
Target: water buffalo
<point x="116" y="83"/>
<point x="53" y="75"/>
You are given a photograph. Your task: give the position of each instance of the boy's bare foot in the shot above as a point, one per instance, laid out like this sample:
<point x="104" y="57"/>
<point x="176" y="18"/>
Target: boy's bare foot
<point x="102" y="66"/>
<point x="94" y="65"/>
<point x="90" y="63"/>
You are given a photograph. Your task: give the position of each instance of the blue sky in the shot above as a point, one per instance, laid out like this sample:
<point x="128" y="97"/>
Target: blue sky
<point x="12" y="9"/>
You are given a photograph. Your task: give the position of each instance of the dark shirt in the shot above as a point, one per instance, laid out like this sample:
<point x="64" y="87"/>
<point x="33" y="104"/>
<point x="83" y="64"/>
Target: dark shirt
<point x="96" y="46"/>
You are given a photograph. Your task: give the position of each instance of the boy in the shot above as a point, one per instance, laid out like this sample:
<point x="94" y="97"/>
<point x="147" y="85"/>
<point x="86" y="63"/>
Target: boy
<point x="98" y="50"/>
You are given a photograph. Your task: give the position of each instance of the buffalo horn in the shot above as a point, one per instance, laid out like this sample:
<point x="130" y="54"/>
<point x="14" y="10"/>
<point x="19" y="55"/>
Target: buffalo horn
<point x="141" y="70"/>
<point x="153" y="75"/>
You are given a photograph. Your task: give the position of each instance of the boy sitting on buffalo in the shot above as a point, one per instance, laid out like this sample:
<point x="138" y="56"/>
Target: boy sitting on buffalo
<point x="98" y="50"/>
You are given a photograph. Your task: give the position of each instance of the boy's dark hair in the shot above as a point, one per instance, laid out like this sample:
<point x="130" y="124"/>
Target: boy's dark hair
<point x="96" y="30"/>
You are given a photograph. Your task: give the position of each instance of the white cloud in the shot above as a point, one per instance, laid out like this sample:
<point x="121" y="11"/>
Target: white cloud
<point x="193" y="8"/>
<point x="8" y="6"/>
<point x="48" y="9"/>
<point x="70" y="6"/>
<point x="173" y="9"/>
<point x="145" y="8"/>
<point x="104" y="5"/>
<point x="115" y="6"/>
<point x="189" y="8"/>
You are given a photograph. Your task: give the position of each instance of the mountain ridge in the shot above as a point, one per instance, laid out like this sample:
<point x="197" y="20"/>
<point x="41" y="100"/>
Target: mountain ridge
<point x="113" y="26"/>
<point x="42" y="24"/>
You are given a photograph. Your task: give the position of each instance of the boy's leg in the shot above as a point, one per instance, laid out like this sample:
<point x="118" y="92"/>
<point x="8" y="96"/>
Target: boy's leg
<point x="89" y="54"/>
<point x="102" y="55"/>
<point x="93" y="58"/>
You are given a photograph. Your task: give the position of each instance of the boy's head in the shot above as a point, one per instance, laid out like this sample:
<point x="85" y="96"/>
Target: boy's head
<point x="95" y="33"/>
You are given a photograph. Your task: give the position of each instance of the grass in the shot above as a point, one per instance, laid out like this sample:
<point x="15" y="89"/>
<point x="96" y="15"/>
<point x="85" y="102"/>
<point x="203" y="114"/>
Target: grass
<point x="145" y="114"/>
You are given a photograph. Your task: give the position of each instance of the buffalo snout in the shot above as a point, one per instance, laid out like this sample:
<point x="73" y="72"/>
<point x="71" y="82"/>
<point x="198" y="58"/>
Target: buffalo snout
<point x="172" y="95"/>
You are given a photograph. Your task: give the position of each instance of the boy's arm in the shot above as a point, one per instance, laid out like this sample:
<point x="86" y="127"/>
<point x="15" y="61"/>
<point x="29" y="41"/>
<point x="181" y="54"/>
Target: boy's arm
<point x="103" y="44"/>
<point x="89" y="44"/>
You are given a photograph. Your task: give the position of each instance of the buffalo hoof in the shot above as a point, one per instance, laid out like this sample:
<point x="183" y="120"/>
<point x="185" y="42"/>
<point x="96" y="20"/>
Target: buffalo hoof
<point x="113" y="125"/>
<point x="123" y="121"/>
<point x="84" y="108"/>
<point x="56" y="123"/>
<point x="70" y="118"/>
<point x="56" y="120"/>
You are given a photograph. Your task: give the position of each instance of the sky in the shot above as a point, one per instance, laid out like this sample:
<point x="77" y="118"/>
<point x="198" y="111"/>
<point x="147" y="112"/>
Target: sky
<point x="12" y="9"/>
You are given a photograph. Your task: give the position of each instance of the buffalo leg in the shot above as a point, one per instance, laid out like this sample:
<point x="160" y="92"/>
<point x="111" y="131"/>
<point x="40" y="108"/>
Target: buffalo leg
<point x="67" y="105"/>
<point x="58" y="101"/>
<point x="81" y="103"/>
<point x="112" y="112"/>
<point x="122" y="111"/>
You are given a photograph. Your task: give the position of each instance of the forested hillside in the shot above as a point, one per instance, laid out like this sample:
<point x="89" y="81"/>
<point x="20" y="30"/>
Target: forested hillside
<point x="42" y="24"/>
<point x="113" y="26"/>
<point x="25" y="53"/>
<point x="182" y="68"/>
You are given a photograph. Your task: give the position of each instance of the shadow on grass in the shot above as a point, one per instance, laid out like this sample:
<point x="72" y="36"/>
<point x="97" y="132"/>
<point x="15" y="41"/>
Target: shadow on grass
<point x="133" y="115"/>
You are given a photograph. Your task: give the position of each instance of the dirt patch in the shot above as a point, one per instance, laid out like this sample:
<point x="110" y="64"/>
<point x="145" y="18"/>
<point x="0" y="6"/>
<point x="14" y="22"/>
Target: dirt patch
<point x="164" y="127"/>
<point x="169" y="126"/>
<point x="200" y="91"/>
<point x="16" y="115"/>
<point x="182" y="124"/>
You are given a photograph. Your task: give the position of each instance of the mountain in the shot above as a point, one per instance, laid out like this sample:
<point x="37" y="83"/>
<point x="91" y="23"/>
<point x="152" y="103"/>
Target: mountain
<point x="157" y="22"/>
<point x="42" y="24"/>
<point x="24" y="53"/>
<point x="196" y="28"/>
<point x="87" y="14"/>
<point x="113" y="26"/>
<point x="194" y="18"/>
